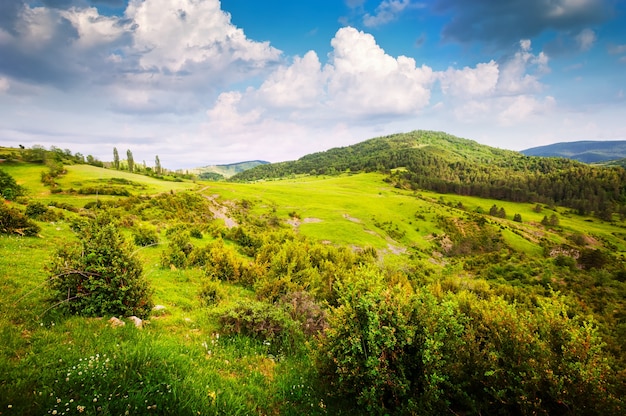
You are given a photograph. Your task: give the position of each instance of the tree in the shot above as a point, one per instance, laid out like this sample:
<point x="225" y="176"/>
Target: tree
<point x="99" y="275"/>
<point x="157" y="165"/>
<point x="130" y="160"/>
<point x="9" y="189"/>
<point x="116" y="158"/>
<point x="517" y="217"/>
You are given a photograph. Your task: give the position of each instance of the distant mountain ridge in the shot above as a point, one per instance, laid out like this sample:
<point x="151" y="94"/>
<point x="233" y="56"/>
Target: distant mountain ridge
<point x="587" y="151"/>
<point x="226" y="170"/>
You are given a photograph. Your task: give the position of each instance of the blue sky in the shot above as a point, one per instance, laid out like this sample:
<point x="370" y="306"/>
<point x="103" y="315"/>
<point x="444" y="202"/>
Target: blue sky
<point x="199" y="82"/>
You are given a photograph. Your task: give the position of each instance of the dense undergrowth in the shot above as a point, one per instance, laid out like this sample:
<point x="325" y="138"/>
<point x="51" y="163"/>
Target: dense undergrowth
<point x="436" y="307"/>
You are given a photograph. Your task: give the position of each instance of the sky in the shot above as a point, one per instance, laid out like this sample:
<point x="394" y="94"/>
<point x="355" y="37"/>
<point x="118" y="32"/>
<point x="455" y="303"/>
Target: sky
<point x="200" y="82"/>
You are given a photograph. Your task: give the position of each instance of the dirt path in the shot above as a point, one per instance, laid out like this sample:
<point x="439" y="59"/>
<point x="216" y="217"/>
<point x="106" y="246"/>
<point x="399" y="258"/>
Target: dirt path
<point x="219" y="211"/>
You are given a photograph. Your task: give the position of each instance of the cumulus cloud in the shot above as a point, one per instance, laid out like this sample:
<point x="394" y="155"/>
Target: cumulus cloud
<point x="509" y="89"/>
<point x="470" y="82"/>
<point x="155" y="47"/>
<point x="359" y="82"/>
<point x="364" y="80"/>
<point x="501" y="23"/>
<point x="177" y="36"/>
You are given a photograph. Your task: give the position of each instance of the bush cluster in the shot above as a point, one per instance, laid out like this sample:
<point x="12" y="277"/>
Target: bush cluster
<point x="99" y="275"/>
<point x="13" y="221"/>
<point x="400" y="350"/>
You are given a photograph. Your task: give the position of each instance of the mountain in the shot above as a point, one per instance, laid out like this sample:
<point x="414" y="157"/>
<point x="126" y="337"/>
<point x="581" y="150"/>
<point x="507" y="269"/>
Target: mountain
<point x="587" y="151"/>
<point x="226" y="171"/>
<point x="444" y="163"/>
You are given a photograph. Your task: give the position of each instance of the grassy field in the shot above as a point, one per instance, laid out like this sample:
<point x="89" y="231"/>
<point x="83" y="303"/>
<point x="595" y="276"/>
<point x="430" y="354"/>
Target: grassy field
<point x="179" y="356"/>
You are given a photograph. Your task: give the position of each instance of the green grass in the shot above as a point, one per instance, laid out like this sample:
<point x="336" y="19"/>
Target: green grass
<point x="185" y="367"/>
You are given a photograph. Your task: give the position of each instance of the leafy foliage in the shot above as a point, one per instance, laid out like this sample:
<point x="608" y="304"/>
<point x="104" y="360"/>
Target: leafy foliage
<point x="9" y="189"/>
<point x="396" y="350"/>
<point x="99" y="276"/>
<point x="13" y="221"/>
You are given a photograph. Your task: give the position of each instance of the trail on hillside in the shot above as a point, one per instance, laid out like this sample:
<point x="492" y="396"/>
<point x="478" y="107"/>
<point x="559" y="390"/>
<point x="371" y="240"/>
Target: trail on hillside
<point x="218" y="210"/>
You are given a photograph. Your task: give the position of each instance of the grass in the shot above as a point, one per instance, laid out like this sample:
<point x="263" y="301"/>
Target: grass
<point x="179" y="363"/>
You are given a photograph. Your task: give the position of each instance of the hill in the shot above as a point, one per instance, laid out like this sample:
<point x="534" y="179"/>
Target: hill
<point x="587" y="151"/>
<point x="225" y="171"/>
<point x="443" y="163"/>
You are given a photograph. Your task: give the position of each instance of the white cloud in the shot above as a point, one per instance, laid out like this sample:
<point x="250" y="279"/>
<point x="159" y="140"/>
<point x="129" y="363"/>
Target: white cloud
<point x="514" y="77"/>
<point x="175" y="35"/>
<point x="586" y="39"/>
<point x="470" y="82"/>
<point x="518" y="109"/>
<point x="387" y="12"/>
<point x="298" y="86"/>
<point x="93" y="29"/>
<point x="360" y="81"/>
<point x="364" y="80"/>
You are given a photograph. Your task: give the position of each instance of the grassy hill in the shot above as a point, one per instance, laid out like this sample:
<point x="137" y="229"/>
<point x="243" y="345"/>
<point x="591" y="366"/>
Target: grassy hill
<point x="587" y="151"/>
<point x="521" y="303"/>
<point x="443" y="163"/>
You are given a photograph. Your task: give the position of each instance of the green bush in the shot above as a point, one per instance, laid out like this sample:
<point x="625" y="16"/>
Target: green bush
<point x="13" y="221"/>
<point x="211" y="293"/>
<point x="145" y="236"/>
<point x="38" y="211"/>
<point x="395" y="351"/>
<point x="9" y="189"/>
<point x="177" y="250"/>
<point x="264" y="322"/>
<point x="388" y="348"/>
<point x="99" y="276"/>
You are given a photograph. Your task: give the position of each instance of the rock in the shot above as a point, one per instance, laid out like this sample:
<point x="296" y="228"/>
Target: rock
<point x="158" y="308"/>
<point x="137" y="321"/>
<point x="115" y="322"/>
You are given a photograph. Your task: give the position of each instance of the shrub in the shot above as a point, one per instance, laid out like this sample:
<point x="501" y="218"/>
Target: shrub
<point x="388" y="348"/>
<point x="177" y="250"/>
<point x="211" y="293"/>
<point x="265" y="322"/>
<point x="99" y="276"/>
<point x="145" y="236"/>
<point x="9" y="189"/>
<point x="38" y="211"/>
<point x="12" y="221"/>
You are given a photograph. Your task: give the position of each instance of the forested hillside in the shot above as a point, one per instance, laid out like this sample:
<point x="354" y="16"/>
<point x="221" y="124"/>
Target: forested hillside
<point x="443" y="163"/>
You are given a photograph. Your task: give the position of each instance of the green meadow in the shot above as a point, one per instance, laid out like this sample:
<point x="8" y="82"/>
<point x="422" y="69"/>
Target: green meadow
<point x="188" y="359"/>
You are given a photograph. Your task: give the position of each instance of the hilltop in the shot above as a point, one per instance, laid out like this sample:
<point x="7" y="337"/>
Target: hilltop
<point x="587" y="151"/>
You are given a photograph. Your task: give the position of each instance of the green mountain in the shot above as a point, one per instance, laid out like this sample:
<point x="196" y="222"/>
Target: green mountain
<point x="447" y="164"/>
<point x="587" y="151"/>
<point x="217" y="172"/>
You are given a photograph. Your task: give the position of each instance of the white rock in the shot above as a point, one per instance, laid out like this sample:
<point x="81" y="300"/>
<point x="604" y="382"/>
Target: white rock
<point x="137" y="321"/>
<point x="115" y="322"/>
